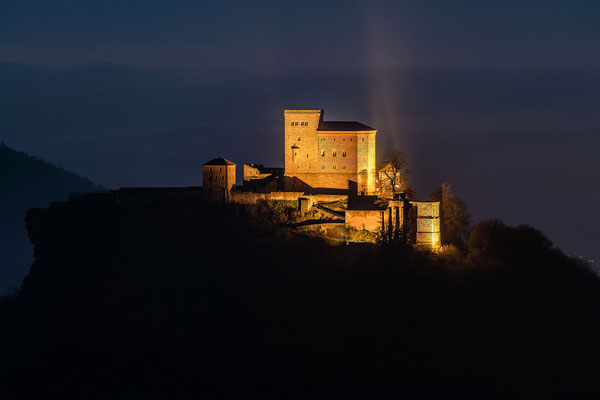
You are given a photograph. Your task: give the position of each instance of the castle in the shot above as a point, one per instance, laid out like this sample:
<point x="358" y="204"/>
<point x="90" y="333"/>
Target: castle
<point x="327" y="162"/>
<point x="329" y="154"/>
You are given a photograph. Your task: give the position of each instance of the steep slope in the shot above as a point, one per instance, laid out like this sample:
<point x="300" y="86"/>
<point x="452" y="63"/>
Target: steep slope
<point x="155" y="293"/>
<point x="27" y="182"/>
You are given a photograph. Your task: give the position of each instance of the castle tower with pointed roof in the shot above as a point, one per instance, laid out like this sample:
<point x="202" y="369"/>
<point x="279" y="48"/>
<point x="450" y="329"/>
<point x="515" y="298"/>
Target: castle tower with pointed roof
<point x="329" y="154"/>
<point x="218" y="175"/>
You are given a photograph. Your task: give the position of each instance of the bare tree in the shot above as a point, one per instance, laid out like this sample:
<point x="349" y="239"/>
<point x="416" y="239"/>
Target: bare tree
<point x="455" y="215"/>
<point x="393" y="175"/>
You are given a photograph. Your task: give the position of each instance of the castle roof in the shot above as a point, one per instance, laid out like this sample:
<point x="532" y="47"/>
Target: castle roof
<point x="343" y="126"/>
<point x="219" y="161"/>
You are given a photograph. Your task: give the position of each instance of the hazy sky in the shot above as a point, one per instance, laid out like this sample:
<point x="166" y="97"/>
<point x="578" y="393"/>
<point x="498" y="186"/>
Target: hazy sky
<point x="500" y="99"/>
<point x="276" y="36"/>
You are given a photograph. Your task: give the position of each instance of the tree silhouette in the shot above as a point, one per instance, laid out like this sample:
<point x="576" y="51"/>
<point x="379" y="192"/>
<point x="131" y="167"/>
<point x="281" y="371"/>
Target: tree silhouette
<point x="455" y="215"/>
<point x="393" y="175"/>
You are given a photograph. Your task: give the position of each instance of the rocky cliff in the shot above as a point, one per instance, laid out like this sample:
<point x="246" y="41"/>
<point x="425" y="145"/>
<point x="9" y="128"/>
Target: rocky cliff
<point x="157" y="293"/>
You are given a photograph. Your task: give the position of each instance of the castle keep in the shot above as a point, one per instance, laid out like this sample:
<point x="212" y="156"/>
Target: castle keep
<point x="329" y="154"/>
<point x="330" y="173"/>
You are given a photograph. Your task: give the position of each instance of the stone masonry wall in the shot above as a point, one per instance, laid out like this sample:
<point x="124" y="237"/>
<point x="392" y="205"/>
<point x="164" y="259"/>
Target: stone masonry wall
<point x="252" y="198"/>
<point x="364" y="219"/>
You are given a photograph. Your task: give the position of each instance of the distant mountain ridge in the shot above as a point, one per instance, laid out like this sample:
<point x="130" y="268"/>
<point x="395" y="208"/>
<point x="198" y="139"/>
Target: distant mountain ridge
<point x="28" y="182"/>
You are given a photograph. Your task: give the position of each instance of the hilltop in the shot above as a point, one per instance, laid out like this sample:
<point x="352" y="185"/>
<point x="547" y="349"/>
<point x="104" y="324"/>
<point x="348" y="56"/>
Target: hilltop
<point x="142" y="296"/>
<point x="27" y="182"/>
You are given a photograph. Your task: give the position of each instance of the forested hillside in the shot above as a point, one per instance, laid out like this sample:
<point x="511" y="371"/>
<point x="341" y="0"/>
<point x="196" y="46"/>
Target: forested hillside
<point x="155" y="297"/>
<point x="27" y="182"/>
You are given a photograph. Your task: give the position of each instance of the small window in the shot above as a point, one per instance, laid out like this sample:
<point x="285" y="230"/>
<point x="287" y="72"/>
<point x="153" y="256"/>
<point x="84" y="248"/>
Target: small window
<point x="295" y="153"/>
<point x="334" y="167"/>
<point x="350" y="139"/>
<point x="299" y="138"/>
<point x="306" y="155"/>
<point x="322" y="139"/>
<point x="296" y="123"/>
<point x="344" y="153"/>
<point x="222" y="177"/>
<point x="220" y="168"/>
<point x="344" y="139"/>
<point x="323" y="153"/>
<point x="306" y="124"/>
<point x="292" y="123"/>
<point x="334" y="153"/>
<point x="363" y="139"/>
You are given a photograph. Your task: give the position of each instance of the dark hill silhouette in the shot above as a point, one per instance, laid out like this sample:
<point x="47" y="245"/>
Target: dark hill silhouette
<point x="27" y="182"/>
<point x="132" y="296"/>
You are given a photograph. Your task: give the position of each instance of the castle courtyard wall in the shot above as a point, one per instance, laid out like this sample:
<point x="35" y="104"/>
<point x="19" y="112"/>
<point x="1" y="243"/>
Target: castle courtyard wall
<point x="253" y="198"/>
<point x="364" y="219"/>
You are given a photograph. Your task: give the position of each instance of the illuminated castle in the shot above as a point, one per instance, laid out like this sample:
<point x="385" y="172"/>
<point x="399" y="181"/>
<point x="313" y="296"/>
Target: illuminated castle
<point x="329" y="154"/>
<point x="330" y="162"/>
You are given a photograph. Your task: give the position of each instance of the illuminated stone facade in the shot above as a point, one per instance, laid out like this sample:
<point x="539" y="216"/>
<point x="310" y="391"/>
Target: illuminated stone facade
<point x="329" y="154"/>
<point x="218" y="175"/>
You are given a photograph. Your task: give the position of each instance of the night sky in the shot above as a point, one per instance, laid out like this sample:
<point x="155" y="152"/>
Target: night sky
<point x="499" y="99"/>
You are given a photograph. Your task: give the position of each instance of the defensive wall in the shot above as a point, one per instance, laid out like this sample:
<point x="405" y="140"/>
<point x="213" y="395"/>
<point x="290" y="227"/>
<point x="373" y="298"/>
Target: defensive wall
<point x="370" y="220"/>
<point x="253" y="198"/>
<point x="416" y="222"/>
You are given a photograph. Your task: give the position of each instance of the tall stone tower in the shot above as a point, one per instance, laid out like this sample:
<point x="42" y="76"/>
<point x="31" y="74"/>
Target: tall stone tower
<point x="329" y="154"/>
<point x="218" y="177"/>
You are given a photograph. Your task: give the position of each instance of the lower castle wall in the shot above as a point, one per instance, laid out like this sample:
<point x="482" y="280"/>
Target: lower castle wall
<point x="252" y="198"/>
<point x="328" y="180"/>
<point x="317" y="227"/>
<point x="364" y="219"/>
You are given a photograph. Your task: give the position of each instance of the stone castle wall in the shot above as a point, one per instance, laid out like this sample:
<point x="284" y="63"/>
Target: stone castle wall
<point x="218" y="177"/>
<point x="253" y="198"/>
<point x="337" y="160"/>
<point x="370" y="220"/>
<point x="301" y="146"/>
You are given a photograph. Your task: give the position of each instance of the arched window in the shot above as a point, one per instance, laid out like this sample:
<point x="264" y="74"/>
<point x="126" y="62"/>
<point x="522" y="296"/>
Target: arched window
<point x="334" y="153"/>
<point x="299" y="138"/>
<point x="323" y="153"/>
<point x="344" y="153"/>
